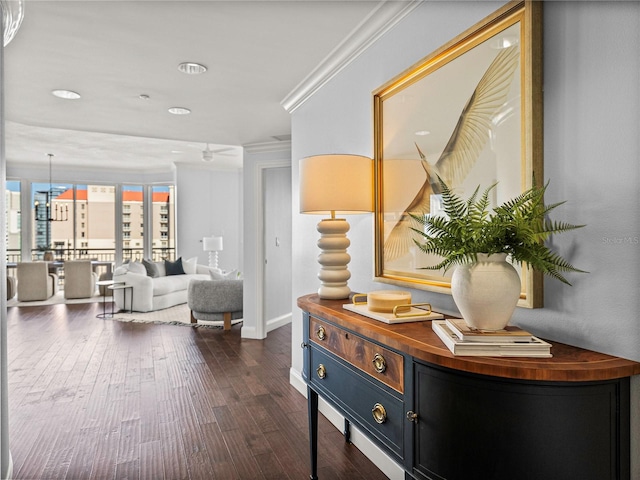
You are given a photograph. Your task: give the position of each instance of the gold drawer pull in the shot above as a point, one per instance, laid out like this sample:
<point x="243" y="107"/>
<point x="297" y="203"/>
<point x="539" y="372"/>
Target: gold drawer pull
<point x="321" y="333"/>
<point x="379" y="413"/>
<point x="379" y="363"/>
<point x="321" y="371"/>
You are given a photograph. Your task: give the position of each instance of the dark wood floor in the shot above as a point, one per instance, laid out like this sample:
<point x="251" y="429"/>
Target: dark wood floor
<point x="101" y="399"/>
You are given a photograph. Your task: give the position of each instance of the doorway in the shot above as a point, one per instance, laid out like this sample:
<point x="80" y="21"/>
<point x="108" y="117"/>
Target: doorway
<point x="276" y="211"/>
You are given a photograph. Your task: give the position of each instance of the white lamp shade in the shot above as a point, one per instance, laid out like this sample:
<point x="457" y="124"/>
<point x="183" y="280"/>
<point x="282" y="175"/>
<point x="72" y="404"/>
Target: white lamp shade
<point x="212" y="244"/>
<point x="336" y="184"/>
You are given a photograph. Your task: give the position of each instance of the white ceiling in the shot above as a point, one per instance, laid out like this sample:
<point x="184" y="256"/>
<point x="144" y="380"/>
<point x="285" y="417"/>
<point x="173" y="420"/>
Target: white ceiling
<point x="111" y="52"/>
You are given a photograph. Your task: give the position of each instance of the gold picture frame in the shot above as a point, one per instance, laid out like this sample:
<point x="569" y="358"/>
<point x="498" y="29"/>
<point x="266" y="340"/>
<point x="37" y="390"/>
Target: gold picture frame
<point x="470" y="112"/>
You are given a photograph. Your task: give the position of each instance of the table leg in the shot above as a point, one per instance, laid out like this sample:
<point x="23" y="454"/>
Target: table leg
<point x="312" y="403"/>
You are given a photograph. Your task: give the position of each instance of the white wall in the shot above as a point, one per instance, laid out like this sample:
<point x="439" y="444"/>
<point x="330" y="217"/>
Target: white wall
<point x="592" y="153"/>
<point x="592" y="120"/>
<point x="209" y="203"/>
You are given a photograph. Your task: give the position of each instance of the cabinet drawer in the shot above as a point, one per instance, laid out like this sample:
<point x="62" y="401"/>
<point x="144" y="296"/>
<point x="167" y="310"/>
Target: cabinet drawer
<point x="360" y="397"/>
<point x="381" y="363"/>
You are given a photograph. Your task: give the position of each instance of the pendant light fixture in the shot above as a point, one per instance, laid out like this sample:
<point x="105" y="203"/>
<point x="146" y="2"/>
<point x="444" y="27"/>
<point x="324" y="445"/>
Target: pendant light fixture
<point x="45" y="212"/>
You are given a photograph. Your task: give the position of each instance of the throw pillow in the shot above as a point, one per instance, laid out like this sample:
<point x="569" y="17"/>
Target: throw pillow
<point x="232" y="275"/>
<point x="190" y="265"/>
<point x="121" y="270"/>
<point x="160" y="267"/>
<point x="152" y="270"/>
<point x="216" y="276"/>
<point x="174" y="268"/>
<point x="137" y="267"/>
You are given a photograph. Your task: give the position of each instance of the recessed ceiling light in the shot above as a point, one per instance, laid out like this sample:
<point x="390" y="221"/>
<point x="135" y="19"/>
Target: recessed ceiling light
<point x="66" y="94"/>
<point x="144" y="96"/>
<point x="179" y="111"/>
<point x="192" y="68"/>
<point x="422" y="133"/>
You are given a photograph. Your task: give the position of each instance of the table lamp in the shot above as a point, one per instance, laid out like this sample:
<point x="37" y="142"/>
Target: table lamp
<point x="213" y="245"/>
<point x="330" y="185"/>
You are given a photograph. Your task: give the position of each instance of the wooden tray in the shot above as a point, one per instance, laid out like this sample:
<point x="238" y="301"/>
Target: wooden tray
<point x="390" y="318"/>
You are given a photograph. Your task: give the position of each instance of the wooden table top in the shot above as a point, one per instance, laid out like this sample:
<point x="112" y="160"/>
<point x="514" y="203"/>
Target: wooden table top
<point x="569" y="364"/>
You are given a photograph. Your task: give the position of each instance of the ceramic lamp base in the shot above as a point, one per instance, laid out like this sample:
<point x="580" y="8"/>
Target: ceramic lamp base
<point x="334" y="258"/>
<point x="213" y="261"/>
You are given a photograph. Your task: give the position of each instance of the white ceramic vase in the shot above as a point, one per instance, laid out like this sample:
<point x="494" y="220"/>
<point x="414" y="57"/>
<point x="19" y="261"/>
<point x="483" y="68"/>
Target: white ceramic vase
<point x="486" y="292"/>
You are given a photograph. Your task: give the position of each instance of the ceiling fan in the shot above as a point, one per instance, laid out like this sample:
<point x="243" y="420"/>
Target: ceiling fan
<point x="207" y="153"/>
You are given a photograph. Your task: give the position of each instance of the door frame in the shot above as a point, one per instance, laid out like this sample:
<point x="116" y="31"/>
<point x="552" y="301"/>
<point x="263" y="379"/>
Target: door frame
<point x="276" y="155"/>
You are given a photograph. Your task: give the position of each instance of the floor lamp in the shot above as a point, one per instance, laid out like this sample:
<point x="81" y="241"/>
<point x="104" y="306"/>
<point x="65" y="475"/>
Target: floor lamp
<point x="213" y="245"/>
<point x="330" y="185"/>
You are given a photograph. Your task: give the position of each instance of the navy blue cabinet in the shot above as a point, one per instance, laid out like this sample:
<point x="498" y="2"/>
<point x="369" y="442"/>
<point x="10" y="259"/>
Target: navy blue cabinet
<point x="465" y="418"/>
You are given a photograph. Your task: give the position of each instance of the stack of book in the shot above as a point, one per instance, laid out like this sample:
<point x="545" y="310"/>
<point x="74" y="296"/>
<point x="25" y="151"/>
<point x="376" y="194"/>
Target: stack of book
<point x="510" y="342"/>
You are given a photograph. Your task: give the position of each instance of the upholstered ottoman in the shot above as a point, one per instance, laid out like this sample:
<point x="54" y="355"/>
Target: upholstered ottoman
<point x="215" y="300"/>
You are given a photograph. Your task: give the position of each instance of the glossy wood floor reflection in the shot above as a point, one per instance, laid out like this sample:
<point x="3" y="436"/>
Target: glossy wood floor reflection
<point x="101" y="399"/>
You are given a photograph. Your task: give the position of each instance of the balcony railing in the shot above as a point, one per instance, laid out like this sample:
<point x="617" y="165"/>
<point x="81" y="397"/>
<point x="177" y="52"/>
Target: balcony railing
<point x="101" y="254"/>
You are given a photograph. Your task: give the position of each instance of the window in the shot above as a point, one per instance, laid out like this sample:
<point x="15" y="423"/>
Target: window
<point x="163" y="224"/>
<point x="52" y="219"/>
<point x="133" y="214"/>
<point x="96" y="223"/>
<point x="78" y="221"/>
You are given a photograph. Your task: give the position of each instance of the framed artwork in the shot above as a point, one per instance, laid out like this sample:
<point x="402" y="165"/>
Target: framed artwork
<point x="470" y="113"/>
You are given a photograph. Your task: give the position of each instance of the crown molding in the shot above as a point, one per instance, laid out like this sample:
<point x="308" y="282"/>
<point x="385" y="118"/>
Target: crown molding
<point x="384" y="17"/>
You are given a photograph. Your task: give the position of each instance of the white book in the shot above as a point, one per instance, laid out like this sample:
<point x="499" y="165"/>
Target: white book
<point x="535" y="348"/>
<point x="508" y="334"/>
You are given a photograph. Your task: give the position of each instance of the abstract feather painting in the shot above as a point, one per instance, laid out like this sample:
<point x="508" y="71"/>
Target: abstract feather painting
<point x="463" y="114"/>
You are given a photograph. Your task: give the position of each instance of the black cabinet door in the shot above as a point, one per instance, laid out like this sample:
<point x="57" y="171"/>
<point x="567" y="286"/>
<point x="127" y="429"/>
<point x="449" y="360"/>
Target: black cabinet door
<point x="477" y="427"/>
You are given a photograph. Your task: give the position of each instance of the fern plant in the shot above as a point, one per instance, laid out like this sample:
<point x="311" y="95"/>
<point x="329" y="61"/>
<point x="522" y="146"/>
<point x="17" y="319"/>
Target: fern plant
<point x="518" y="228"/>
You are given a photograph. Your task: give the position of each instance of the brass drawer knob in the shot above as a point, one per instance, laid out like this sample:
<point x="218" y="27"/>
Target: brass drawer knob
<point x="379" y="413"/>
<point x="321" y="333"/>
<point x="379" y="363"/>
<point x="321" y="371"/>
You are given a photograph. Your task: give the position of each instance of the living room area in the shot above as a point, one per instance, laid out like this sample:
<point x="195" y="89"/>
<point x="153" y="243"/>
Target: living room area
<point x="214" y="166"/>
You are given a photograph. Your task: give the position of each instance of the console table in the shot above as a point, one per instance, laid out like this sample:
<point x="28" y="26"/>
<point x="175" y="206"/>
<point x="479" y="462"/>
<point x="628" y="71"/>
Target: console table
<point x="462" y="418"/>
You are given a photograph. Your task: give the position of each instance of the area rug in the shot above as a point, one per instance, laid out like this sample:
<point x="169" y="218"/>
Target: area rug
<point x="179" y="315"/>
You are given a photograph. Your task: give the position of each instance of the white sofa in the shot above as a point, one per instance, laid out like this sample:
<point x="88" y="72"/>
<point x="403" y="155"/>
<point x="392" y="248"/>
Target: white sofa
<point x="158" y="291"/>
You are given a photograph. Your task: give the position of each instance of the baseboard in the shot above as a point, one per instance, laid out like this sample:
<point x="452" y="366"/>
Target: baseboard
<point x="252" y="331"/>
<point x="279" y="321"/>
<point x="248" y="332"/>
<point x="378" y="457"/>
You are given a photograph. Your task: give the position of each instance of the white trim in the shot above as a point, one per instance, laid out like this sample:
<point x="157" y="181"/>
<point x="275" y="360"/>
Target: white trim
<point x="377" y="456"/>
<point x="279" y="321"/>
<point x="260" y="330"/>
<point x="249" y="332"/>
<point x="384" y="17"/>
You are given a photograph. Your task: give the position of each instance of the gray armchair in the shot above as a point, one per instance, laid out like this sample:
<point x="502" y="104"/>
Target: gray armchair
<point x="35" y="282"/>
<point x="215" y="300"/>
<point x="79" y="279"/>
